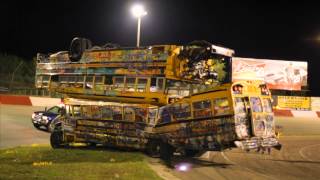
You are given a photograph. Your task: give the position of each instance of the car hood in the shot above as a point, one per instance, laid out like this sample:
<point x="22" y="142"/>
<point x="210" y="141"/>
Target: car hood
<point x="44" y="113"/>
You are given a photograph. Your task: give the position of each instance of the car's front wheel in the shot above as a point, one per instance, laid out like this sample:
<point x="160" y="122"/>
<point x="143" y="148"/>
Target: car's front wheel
<point x="56" y="139"/>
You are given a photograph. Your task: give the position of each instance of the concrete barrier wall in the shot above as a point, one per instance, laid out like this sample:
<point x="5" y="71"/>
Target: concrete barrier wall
<point x="296" y="113"/>
<point x="15" y="100"/>
<point x="29" y="100"/>
<point x="42" y="101"/>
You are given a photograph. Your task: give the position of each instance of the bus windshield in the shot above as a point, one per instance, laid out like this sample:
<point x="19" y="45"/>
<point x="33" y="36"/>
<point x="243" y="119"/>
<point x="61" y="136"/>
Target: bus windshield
<point x="256" y="104"/>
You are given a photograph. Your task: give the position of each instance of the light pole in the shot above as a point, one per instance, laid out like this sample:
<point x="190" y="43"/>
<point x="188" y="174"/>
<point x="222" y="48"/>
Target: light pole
<point x="138" y="12"/>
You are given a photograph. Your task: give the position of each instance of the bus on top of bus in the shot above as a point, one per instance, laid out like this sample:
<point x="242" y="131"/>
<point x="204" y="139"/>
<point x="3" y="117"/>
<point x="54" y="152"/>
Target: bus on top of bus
<point x="229" y="115"/>
<point x="155" y="74"/>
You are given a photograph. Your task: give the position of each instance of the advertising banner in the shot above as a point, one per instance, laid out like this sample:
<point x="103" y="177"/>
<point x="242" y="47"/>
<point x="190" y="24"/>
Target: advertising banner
<point x="278" y="74"/>
<point x="315" y="103"/>
<point x="294" y="102"/>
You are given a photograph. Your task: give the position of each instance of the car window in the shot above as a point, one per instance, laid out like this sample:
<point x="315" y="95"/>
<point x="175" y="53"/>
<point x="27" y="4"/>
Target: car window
<point x="54" y="109"/>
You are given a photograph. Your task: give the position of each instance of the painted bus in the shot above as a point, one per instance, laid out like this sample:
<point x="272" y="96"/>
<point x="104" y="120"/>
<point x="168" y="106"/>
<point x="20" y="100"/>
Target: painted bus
<point x="230" y="115"/>
<point x="157" y="74"/>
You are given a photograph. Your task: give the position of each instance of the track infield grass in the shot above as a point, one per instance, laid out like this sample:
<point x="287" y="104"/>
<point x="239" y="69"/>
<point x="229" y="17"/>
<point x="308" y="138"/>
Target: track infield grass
<point x="43" y="162"/>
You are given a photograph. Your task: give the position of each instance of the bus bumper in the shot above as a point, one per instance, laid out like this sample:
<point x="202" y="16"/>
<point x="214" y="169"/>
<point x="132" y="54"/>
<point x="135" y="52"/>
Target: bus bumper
<point x="255" y="143"/>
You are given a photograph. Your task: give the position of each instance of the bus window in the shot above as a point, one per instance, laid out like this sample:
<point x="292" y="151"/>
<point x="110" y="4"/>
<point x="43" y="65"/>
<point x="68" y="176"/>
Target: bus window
<point x="128" y="113"/>
<point x="256" y="104"/>
<point x="240" y="106"/>
<point x="157" y="84"/>
<point x="164" y="115"/>
<point x="142" y="84"/>
<point x="76" y="111"/>
<point x="237" y="89"/>
<point x="89" y="82"/>
<point x="153" y="85"/>
<point x="63" y="79"/>
<point x="178" y="88"/>
<point x="119" y="83"/>
<point x="108" y="80"/>
<point x="86" y="112"/>
<point x="96" y="114"/>
<point x="117" y="113"/>
<point x="68" y="110"/>
<point x="72" y="79"/>
<point x="267" y="107"/>
<point x="79" y="81"/>
<point x="39" y="81"/>
<point x="160" y="83"/>
<point x="130" y="84"/>
<point x="181" y="110"/>
<point x="221" y="106"/>
<point x="140" y="114"/>
<point x="202" y="109"/>
<point x="106" y="112"/>
<point x="185" y="91"/>
<point x="45" y="81"/>
<point x="98" y="82"/>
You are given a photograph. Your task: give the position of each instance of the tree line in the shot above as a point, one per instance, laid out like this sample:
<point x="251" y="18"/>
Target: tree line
<point x="16" y="72"/>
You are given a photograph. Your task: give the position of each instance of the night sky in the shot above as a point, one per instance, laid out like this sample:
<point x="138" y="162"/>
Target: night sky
<point x="287" y="30"/>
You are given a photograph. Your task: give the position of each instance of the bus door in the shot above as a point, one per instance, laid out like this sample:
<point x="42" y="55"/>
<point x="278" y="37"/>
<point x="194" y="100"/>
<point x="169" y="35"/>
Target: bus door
<point x="257" y="116"/>
<point x="243" y="116"/>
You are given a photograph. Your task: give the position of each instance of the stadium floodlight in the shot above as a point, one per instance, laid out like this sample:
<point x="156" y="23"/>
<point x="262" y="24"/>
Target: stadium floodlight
<point x="138" y="11"/>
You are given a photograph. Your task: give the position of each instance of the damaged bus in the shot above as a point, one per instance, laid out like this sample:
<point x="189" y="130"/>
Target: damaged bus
<point x="156" y="75"/>
<point x="230" y="115"/>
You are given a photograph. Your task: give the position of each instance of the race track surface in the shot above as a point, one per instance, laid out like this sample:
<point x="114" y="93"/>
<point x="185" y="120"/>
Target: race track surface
<point x="298" y="159"/>
<point x="16" y="127"/>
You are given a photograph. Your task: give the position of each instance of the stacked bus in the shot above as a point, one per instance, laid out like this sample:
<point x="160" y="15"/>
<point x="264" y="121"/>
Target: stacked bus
<point x="156" y="74"/>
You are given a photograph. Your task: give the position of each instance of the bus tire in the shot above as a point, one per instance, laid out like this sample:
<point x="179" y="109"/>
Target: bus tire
<point x="153" y="148"/>
<point x="166" y="151"/>
<point x="56" y="139"/>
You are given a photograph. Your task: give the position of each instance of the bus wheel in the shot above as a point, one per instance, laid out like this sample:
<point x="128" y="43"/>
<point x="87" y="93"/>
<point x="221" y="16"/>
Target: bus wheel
<point x="166" y="151"/>
<point x="153" y="148"/>
<point x="92" y="144"/>
<point x="56" y="139"/>
<point x="190" y="152"/>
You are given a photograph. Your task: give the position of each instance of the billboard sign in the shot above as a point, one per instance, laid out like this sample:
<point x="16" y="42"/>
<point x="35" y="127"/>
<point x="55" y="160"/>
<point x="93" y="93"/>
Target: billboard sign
<point x="278" y="74"/>
<point x="294" y="102"/>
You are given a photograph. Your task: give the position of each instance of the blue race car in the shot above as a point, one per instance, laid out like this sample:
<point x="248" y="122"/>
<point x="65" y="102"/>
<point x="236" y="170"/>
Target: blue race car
<point x="46" y="117"/>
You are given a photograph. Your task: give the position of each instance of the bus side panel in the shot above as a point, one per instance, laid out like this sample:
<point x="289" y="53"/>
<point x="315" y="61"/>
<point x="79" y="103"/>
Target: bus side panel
<point x="110" y="133"/>
<point x="208" y="134"/>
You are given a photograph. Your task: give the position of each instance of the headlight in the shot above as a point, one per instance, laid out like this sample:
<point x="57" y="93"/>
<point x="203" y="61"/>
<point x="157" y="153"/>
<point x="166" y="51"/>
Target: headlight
<point x="33" y="115"/>
<point x="46" y="118"/>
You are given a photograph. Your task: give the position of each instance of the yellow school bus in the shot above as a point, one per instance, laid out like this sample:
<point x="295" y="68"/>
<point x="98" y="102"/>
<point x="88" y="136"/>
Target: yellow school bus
<point x="229" y="115"/>
<point x="238" y="114"/>
<point x="154" y="74"/>
<point x="108" y="123"/>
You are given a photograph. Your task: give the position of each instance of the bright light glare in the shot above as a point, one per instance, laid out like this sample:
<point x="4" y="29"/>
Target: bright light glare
<point x="138" y="11"/>
<point x="183" y="167"/>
